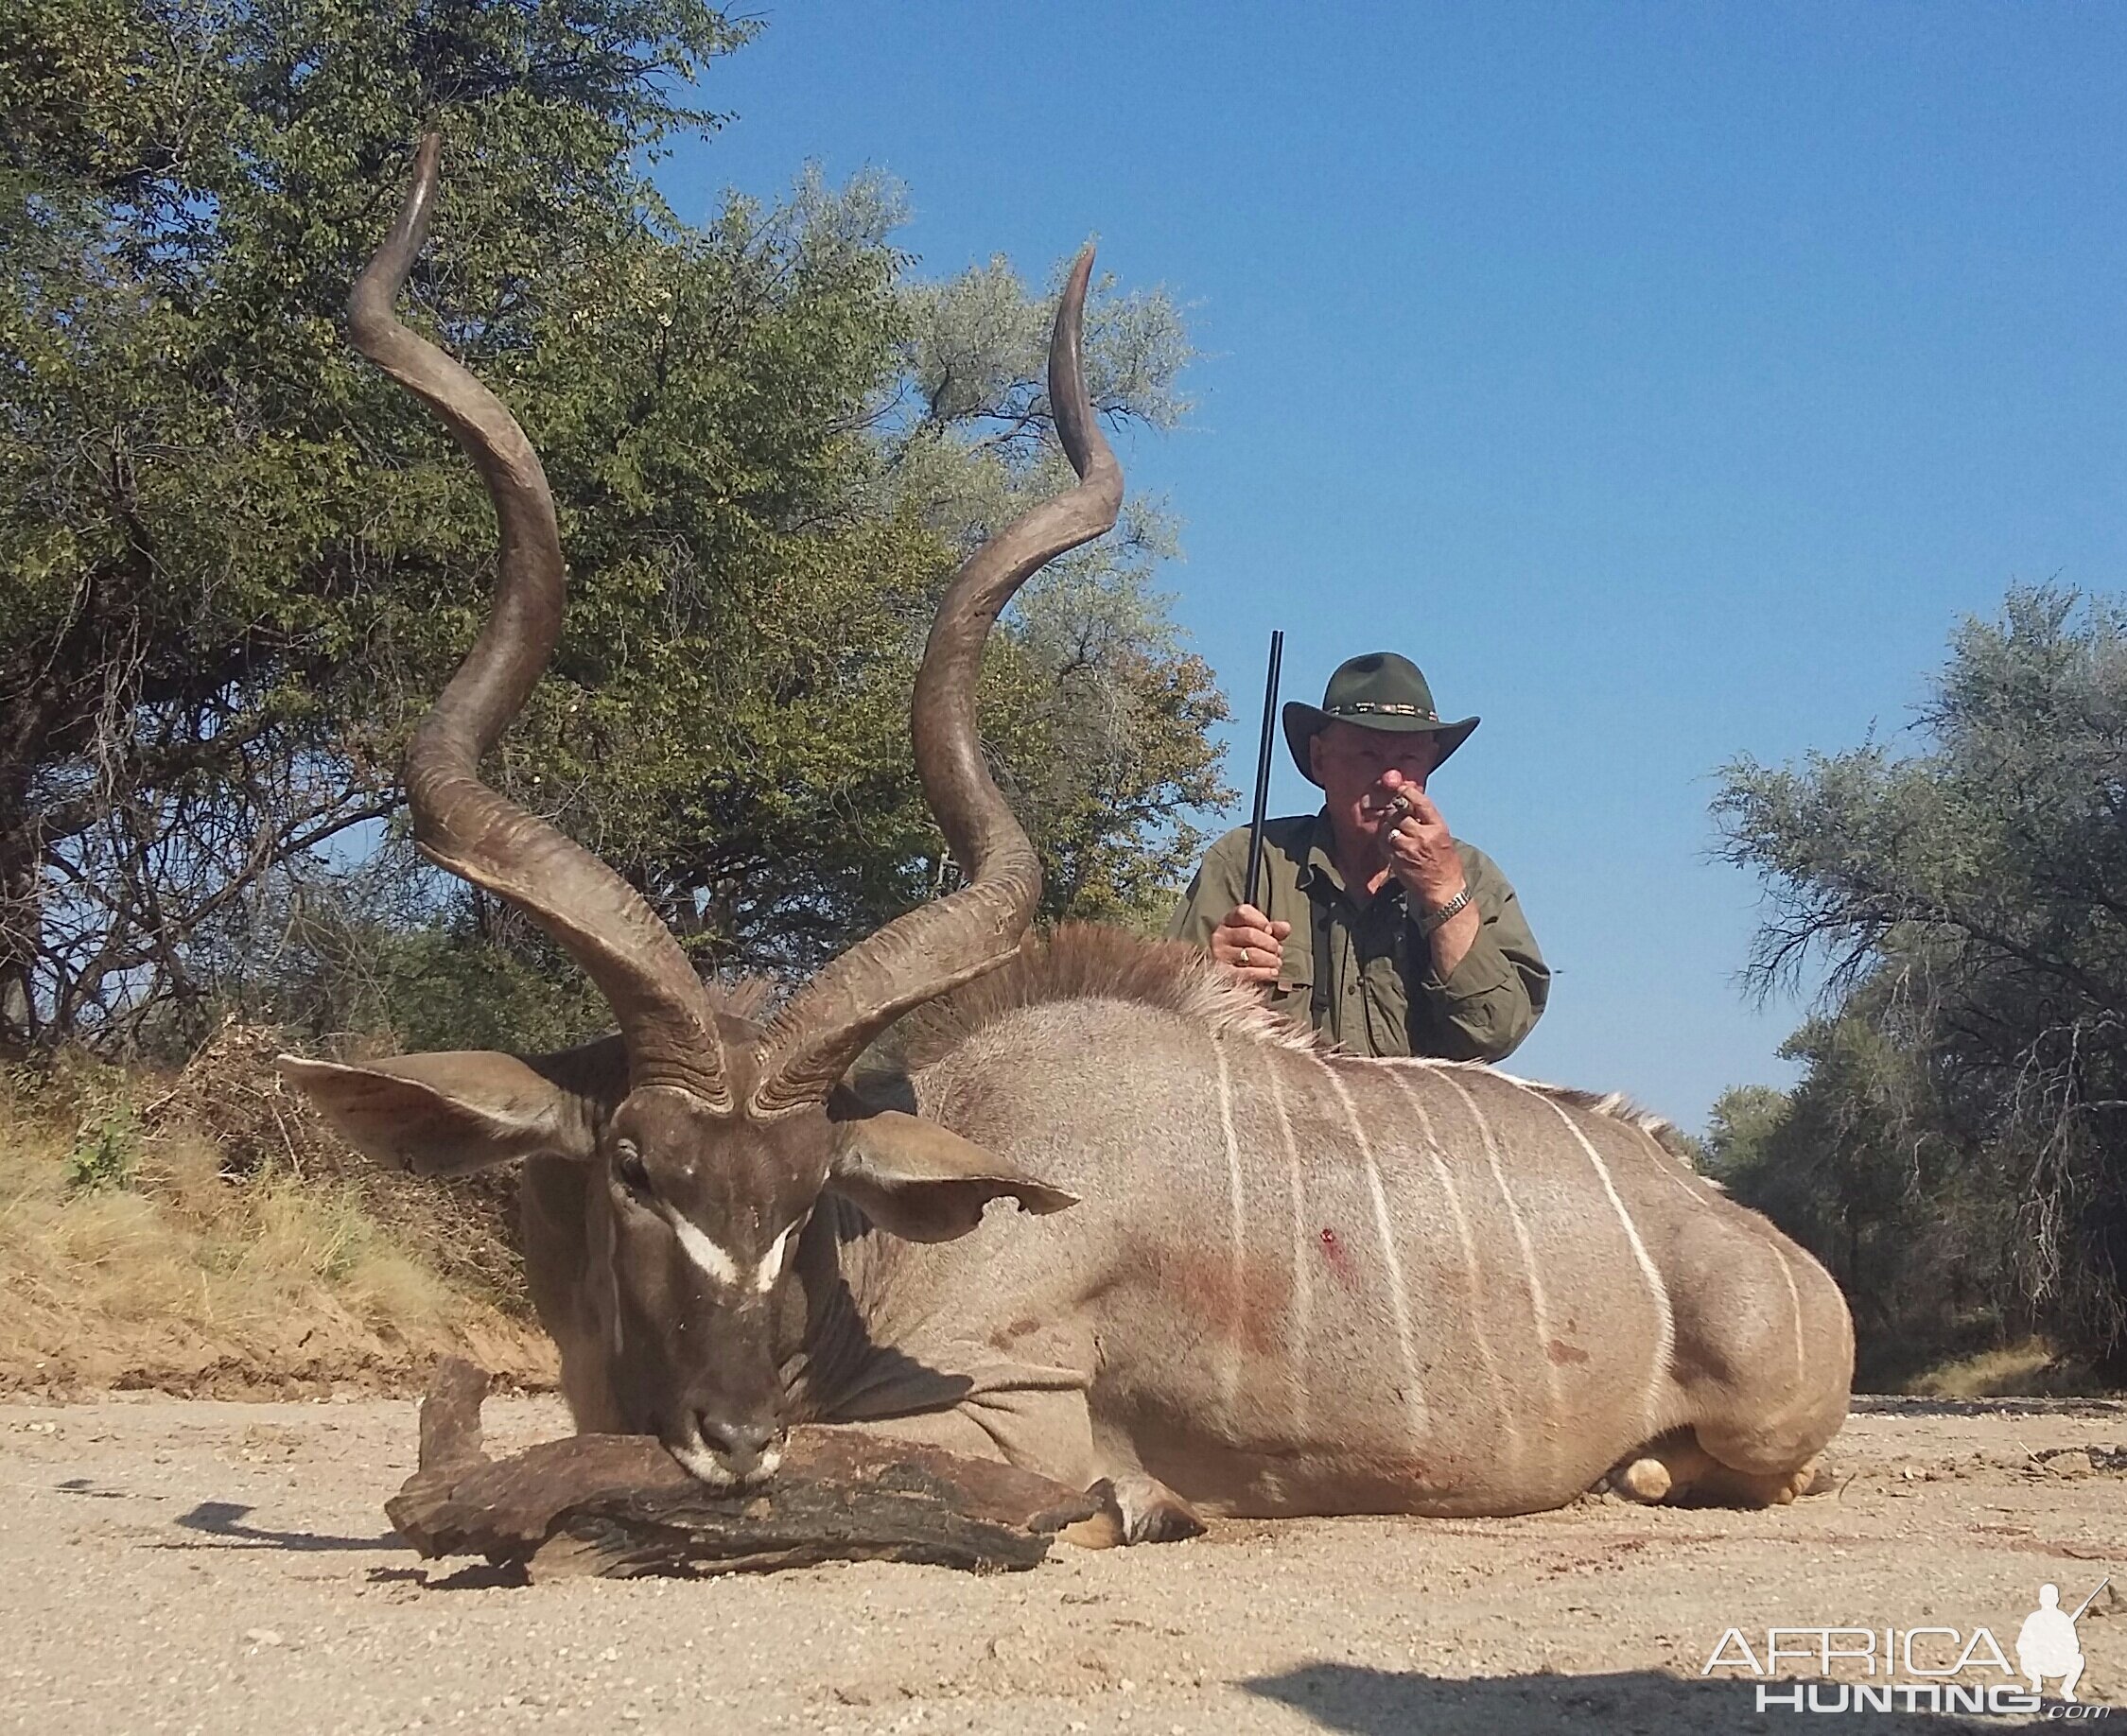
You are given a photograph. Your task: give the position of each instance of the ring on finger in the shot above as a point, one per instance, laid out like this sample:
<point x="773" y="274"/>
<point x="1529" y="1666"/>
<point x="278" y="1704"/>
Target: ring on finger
<point x="1243" y="958"/>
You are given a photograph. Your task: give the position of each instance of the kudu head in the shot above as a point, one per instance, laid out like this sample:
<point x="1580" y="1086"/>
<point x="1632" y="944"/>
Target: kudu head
<point x="710" y="1138"/>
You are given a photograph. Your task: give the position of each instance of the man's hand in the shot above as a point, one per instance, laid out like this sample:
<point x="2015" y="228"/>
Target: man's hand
<point x="1420" y="849"/>
<point x="1422" y="857"/>
<point x="1252" y="945"/>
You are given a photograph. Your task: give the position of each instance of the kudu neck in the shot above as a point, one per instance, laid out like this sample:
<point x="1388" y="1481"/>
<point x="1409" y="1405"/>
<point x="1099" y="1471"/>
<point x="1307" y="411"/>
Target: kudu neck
<point x="842" y="1265"/>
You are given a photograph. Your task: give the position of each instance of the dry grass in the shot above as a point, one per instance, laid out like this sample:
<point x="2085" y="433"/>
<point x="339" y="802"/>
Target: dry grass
<point x="463" y="1228"/>
<point x="131" y="1257"/>
<point x="2026" y="1370"/>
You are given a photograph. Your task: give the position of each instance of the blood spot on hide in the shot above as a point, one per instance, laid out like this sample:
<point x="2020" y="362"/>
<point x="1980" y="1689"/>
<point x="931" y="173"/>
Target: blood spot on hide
<point x="1005" y="1337"/>
<point x="1562" y="1352"/>
<point x="1340" y="1262"/>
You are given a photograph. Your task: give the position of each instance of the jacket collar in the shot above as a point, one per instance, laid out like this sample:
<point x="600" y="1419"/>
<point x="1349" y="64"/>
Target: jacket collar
<point x="1318" y="864"/>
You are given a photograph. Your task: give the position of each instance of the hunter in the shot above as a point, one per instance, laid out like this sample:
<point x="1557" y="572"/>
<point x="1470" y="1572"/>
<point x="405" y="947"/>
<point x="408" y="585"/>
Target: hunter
<point x="1377" y="926"/>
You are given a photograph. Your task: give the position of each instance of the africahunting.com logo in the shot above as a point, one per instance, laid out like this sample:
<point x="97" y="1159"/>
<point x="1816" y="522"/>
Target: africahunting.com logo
<point x="1915" y="1669"/>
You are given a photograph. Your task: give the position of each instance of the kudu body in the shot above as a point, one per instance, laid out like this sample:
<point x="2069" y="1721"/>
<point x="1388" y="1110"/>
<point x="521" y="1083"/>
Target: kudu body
<point x="1290" y="1282"/>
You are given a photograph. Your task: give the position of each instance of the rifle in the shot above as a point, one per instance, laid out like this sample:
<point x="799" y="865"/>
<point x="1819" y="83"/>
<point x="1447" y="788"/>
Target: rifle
<point x="1262" y="767"/>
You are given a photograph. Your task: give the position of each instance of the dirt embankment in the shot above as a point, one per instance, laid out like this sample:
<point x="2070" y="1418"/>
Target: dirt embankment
<point x="204" y="1234"/>
<point x="181" y="1566"/>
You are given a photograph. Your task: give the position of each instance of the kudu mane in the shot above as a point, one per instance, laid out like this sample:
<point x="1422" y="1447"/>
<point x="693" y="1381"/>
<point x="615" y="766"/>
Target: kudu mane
<point x="1086" y="961"/>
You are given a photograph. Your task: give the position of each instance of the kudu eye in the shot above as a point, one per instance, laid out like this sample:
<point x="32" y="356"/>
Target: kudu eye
<point x="627" y="1160"/>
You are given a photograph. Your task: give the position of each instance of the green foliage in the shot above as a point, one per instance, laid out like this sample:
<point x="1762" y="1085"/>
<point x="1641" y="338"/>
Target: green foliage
<point x="106" y="1149"/>
<point x="1739" y="1129"/>
<point x="1958" y="1148"/>
<point x="235" y="562"/>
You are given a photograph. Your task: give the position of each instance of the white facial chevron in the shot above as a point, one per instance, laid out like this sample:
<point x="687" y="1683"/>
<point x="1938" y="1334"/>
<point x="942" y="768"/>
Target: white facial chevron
<point x="771" y="1262"/>
<point x="717" y="1264"/>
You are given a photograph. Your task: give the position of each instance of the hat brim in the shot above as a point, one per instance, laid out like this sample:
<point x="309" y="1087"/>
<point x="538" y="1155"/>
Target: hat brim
<point x="1304" y="721"/>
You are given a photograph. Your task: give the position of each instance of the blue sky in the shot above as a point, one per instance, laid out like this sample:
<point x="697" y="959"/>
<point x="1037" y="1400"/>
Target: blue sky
<point x="1666" y="380"/>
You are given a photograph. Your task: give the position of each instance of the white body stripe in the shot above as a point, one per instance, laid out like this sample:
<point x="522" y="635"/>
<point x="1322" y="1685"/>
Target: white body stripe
<point x="1540" y="1305"/>
<point x="1694" y="1188"/>
<point x="1472" y="1274"/>
<point x="1795" y="1303"/>
<point x="1230" y="1364"/>
<point x="1666" y="1320"/>
<point x="1399" y="1298"/>
<point x="1303" y="1255"/>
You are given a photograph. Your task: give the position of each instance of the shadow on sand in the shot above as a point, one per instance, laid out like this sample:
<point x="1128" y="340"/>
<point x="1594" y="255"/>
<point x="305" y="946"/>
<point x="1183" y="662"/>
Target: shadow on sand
<point x="1370" y="1702"/>
<point x="225" y="1519"/>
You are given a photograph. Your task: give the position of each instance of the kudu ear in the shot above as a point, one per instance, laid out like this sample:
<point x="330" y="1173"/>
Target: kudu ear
<point x="447" y="1114"/>
<point x="924" y="1182"/>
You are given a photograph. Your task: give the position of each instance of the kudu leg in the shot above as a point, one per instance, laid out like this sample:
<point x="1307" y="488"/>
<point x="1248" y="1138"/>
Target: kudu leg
<point x="1033" y="1414"/>
<point x="1135" y="1508"/>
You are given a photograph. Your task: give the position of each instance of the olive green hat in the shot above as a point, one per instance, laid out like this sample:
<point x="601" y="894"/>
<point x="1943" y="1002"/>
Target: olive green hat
<point x="1379" y="691"/>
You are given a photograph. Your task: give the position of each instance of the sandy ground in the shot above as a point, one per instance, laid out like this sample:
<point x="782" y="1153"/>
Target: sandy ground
<point x="172" y="1565"/>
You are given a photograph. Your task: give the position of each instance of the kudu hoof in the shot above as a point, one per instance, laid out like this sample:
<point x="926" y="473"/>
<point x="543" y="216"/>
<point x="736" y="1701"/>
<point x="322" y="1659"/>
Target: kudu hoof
<point x="1134" y="1510"/>
<point x="1647" y="1481"/>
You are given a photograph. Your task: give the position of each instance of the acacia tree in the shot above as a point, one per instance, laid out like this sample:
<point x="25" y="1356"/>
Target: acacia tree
<point x="235" y="563"/>
<point x="1967" y="898"/>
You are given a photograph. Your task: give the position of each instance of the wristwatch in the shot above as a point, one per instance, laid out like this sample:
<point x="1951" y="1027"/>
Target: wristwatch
<point x="1437" y="918"/>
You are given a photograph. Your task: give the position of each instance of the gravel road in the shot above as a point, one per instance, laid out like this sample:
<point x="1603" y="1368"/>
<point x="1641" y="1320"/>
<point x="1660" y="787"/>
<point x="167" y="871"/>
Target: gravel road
<point x="183" y="1564"/>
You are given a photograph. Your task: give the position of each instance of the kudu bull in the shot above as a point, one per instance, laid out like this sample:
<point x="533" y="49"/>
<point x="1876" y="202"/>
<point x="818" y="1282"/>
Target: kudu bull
<point x="1292" y="1283"/>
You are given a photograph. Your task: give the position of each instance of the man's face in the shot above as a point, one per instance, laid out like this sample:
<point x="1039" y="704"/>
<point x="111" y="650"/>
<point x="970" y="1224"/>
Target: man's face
<point x="1352" y="764"/>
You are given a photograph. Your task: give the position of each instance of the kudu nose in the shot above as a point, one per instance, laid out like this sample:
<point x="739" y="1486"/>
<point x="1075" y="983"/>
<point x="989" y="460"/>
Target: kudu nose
<point x="738" y="1447"/>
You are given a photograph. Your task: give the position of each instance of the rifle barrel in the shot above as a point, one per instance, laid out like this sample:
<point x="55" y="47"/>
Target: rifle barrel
<point x="1263" y="767"/>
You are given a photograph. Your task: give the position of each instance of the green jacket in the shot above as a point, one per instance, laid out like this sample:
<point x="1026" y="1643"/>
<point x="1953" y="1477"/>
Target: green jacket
<point x="1348" y="971"/>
